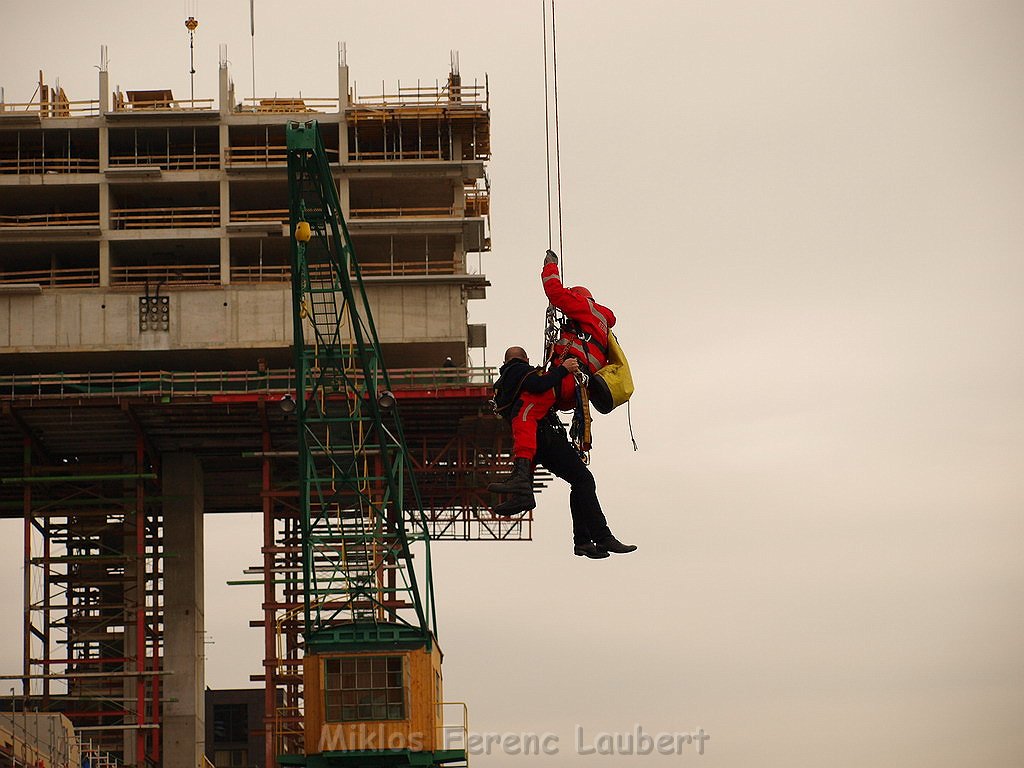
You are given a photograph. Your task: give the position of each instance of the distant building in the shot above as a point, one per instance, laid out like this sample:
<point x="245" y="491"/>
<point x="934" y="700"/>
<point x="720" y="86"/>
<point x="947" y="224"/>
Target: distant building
<point x="235" y="732"/>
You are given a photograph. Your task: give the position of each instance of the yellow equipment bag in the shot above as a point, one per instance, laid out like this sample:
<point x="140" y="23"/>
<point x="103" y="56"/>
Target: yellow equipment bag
<point x="611" y="386"/>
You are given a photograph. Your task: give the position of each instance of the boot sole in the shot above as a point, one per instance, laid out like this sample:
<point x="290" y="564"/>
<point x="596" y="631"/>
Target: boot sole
<point x="512" y="511"/>
<point x="504" y="489"/>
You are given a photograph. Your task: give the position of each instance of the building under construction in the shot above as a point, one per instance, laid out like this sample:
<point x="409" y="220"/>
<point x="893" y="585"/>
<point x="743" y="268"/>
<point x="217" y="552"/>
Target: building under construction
<point x="145" y="351"/>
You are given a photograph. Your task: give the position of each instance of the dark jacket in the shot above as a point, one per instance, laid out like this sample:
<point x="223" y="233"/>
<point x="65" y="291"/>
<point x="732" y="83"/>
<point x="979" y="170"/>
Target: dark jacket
<point x="517" y="376"/>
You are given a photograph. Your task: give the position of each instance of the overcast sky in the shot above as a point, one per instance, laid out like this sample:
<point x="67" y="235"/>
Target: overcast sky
<point x="807" y="217"/>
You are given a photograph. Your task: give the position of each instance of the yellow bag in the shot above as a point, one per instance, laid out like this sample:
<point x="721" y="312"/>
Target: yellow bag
<point x="611" y="386"/>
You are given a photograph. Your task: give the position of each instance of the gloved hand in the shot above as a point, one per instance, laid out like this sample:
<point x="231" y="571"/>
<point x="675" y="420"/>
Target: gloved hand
<point x="550" y="257"/>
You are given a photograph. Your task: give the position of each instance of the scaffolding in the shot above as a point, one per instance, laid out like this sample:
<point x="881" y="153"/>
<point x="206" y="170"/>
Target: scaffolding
<point x="76" y="455"/>
<point x="449" y="122"/>
<point x="93" y="629"/>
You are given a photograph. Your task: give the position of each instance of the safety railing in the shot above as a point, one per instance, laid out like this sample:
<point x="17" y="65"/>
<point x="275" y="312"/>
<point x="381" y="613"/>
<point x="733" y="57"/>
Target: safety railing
<point x="264" y="155"/>
<point x="453" y="735"/>
<point x="273" y="383"/>
<point x="188" y="161"/>
<point x="82" y="277"/>
<point x="255" y="155"/>
<point x="478" y="202"/>
<point x="56" y="108"/>
<point x="288" y="730"/>
<point x="92" y="756"/>
<point x="419" y="153"/>
<point x="174" y="274"/>
<point x="281" y="273"/>
<point x="122" y="104"/>
<point x="266" y="214"/>
<point x="403" y="212"/>
<point x="30" y="165"/>
<point x="159" y="218"/>
<point x="77" y="219"/>
<point x="281" y="214"/>
<point x="289" y="105"/>
<point x="425" y="95"/>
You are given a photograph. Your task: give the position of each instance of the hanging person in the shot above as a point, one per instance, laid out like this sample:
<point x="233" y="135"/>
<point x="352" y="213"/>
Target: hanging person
<point x="523" y="396"/>
<point x="520" y="395"/>
<point x="584" y="337"/>
<point x="582" y="345"/>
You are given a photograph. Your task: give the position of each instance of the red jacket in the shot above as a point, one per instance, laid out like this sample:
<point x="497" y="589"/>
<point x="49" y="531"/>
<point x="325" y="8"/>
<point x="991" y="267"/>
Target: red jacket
<point x="593" y="320"/>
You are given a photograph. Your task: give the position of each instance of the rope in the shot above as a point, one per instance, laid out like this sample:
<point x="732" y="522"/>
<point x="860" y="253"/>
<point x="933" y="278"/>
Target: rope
<point x="551" y="315"/>
<point x="558" y="155"/>
<point x="547" y="118"/>
<point x="579" y="430"/>
<point x="629" y="420"/>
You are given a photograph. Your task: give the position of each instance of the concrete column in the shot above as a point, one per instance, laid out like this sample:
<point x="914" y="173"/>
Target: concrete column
<point x="104" y="187"/>
<point x="344" y="198"/>
<point x="344" y="99"/>
<point x="104" y="263"/>
<point x="104" y="137"/>
<point x="459" y="199"/>
<point x="184" y="711"/>
<point x="459" y="255"/>
<point x="225" y="217"/>
<point x="225" y="261"/>
<point x="225" y="94"/>
<point x="104" y="91"/>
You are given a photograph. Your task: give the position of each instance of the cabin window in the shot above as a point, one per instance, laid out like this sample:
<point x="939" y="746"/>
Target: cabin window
<point x="365" y="688"/>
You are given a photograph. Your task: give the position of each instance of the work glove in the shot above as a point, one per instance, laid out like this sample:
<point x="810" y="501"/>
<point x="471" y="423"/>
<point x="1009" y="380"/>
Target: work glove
<point x="550" y="257"/>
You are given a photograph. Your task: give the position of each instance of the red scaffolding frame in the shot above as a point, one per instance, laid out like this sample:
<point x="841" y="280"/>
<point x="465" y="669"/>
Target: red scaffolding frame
<point x="80" y="460"/>
<point x="93" y="617"/>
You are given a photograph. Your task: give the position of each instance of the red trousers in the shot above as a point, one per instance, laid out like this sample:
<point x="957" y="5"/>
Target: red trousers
<point x="524" y="424"/>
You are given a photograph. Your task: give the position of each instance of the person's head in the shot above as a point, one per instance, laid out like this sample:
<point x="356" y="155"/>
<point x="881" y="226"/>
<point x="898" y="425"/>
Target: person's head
<point x="516" y="353"/>
<point x="582" y="292"/>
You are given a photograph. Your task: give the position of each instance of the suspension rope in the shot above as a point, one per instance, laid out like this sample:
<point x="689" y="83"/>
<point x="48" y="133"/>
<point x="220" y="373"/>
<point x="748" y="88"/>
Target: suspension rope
<point x="547" y="118"/>
<point x="551" y="104"/>
<point x="550" y="315"/>
<point x="558" y="154"/>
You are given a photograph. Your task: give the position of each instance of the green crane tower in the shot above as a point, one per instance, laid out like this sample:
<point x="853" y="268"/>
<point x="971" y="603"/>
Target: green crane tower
<point x="372" y="667"/>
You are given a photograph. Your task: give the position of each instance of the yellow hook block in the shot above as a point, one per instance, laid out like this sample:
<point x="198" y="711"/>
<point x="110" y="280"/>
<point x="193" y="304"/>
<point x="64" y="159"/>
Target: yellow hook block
<point x="302" y="232"/>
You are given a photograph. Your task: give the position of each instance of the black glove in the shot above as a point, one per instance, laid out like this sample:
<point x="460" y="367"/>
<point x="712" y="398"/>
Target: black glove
<point x="550" y="257"/>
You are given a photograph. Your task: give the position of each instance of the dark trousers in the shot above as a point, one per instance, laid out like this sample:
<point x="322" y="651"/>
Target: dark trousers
<point x="556" y="453"/>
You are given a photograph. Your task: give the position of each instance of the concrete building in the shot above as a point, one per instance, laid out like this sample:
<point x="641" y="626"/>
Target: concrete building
<point x="145" y="340"/>
<point x="138" y="195"/>
<point x="234" y="728"/>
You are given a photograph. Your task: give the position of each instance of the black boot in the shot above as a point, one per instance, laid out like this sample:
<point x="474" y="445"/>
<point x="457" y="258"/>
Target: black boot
<point x="611" y="544"/>
<point x="515" y="505"/>
<point x="520" y="481"/>
<point x="589" y="549"/>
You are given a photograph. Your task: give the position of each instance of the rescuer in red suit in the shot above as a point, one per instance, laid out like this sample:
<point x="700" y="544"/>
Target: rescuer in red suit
<point x="525" y="397"/>
<point x="520" y="393"/>
<point x="586" y="338"/>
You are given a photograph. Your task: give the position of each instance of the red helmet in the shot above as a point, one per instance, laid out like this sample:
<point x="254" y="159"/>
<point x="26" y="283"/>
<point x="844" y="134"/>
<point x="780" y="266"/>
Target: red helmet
<point x="579" y="290"/>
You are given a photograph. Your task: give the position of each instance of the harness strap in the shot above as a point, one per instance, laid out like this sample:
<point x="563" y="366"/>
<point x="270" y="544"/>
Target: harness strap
<point x="579" y="431"/>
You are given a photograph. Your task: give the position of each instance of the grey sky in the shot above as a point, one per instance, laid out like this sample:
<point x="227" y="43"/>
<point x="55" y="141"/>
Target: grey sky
<point x="807" y="217"/>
